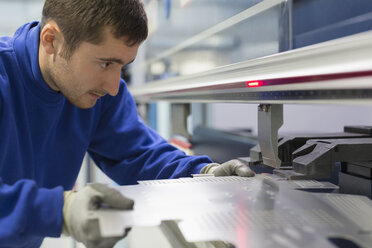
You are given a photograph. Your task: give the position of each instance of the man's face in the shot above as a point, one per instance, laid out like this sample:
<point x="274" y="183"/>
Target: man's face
<point x="92" y="71"/>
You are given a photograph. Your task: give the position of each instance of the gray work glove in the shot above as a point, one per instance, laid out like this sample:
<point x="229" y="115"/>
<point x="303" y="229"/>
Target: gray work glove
<point x="79" y="207"/>
<point x="230" y="168"/>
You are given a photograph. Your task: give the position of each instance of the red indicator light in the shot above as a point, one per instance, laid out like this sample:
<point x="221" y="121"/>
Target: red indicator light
<point x="254" y="84"/>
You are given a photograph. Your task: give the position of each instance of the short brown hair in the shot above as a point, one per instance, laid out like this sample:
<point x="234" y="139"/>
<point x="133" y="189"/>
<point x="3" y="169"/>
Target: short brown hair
<point x="85" y="20"/>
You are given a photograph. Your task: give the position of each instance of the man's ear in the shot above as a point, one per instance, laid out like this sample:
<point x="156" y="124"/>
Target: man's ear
<point x="51" y="38"/>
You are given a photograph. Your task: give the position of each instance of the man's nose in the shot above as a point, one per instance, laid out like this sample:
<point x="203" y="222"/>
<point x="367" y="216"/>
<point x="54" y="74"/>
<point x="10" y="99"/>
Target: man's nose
<point x="111" y="84"/>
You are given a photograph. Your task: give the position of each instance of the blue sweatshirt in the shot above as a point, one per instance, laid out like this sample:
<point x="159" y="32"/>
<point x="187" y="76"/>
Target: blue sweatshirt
<point x="43" y="139"/>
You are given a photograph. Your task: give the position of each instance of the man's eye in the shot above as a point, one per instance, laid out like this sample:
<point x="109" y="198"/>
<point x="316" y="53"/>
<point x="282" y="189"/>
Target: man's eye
<point x="104" y="65"/>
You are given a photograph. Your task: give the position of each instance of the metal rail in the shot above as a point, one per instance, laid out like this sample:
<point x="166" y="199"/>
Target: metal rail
<point x="337" y="71"/>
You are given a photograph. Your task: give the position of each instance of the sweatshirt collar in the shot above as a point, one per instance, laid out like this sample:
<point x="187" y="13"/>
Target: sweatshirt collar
<point x="26" y="46"/>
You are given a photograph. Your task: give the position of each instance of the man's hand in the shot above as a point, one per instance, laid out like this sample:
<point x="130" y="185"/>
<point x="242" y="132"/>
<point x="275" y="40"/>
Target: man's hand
<point x="79" y="207"/>
<point x="230" y="168"/>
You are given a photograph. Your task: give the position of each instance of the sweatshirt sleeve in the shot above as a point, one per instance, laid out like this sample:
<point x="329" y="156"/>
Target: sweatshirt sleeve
<point x="127" y="150"/>
<point x="29" y="213"/>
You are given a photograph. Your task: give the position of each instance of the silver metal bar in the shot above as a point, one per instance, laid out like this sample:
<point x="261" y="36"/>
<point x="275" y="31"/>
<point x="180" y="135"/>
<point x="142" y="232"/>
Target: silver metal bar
<point x="330" y="72"/>
<point x="180" y="113"/>
<point x="270" y="119"/>
<point x="286" y="27"/>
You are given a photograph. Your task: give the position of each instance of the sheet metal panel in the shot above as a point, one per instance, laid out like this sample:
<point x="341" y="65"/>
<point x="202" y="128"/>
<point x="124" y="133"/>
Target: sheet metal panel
<point x="246" y="212"/>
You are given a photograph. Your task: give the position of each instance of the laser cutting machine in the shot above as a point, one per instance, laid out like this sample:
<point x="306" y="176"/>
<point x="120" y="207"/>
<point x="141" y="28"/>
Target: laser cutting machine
<point x="310" y="190"/>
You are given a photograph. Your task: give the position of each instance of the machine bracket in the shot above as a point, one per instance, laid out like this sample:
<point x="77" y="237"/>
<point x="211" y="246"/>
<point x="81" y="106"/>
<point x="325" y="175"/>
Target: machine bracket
<point x="270" y="119"/>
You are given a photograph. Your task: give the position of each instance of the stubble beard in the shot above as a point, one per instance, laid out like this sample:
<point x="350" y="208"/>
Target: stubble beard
<point x="57" y="75"/>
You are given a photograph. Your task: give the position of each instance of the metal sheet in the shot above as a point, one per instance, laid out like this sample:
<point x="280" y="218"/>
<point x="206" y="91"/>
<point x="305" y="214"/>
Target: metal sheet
<point x="246" y="212"/>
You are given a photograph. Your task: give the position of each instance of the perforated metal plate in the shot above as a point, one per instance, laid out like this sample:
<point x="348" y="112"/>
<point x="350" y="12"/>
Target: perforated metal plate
<point x="246" y="212"/>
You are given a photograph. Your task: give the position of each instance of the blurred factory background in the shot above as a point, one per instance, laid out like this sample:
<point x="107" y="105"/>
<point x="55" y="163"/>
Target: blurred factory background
<point x="190" y="36"/>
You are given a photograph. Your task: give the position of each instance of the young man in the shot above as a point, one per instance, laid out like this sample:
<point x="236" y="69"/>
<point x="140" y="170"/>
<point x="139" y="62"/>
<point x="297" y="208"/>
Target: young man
<point x="61" y="96"/>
